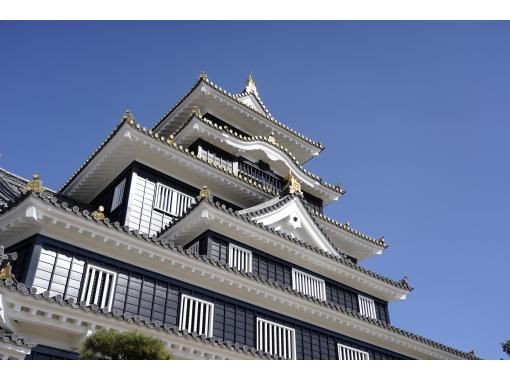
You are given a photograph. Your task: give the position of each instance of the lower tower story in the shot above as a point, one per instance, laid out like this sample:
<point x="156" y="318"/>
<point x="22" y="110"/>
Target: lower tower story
<point x="66" y="293"/>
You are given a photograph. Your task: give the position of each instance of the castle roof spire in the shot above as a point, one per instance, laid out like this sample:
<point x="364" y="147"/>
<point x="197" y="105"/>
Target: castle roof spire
<point x="250" y="87"/>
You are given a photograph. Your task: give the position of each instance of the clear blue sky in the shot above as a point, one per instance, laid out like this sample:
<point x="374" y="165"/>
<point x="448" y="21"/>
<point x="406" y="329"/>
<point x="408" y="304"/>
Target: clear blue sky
<point x="414" y="116"/>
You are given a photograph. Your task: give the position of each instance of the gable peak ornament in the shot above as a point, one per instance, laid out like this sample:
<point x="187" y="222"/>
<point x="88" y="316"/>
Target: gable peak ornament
<point x="251" y="87"/>
<point x="205" y="193"/>
<point x="34" y="185"/>
<point x="128" y="116"/>
<point x="292" y="186"/>
<point x="99" y="214"/>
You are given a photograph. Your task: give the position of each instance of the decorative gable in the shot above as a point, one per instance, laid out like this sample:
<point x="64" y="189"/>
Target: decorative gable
<point x="251" y="101"/>
<point x="289" y="215"/>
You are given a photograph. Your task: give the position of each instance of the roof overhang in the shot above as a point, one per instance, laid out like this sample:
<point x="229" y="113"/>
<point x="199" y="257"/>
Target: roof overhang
<point x="130" y="144"/>
<point x="256" y="149"/>
<point x="210" y="99"/>
<point x="348" y="242"/>
<point x="206" y="216"/>
<point x="73" y="227"/>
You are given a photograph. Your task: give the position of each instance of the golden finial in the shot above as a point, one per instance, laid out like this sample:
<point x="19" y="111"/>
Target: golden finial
<point x="271" y="138"/>
<point x="196" y="111"/>
<point x="6" y="272"/>
<point x="99" y="213"/>
<point x="251" y="87"/>
<point x="205" y="193"/>
<point x="128" y="116"/>
<point x="292" y="185"/>
<point x="203" y="75"/>
<point x="34" y="185"/>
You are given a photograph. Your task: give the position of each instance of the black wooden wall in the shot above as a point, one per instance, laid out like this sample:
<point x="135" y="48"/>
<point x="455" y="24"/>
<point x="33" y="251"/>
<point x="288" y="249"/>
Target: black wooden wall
<point x="268" y="267"/>
<point x="157" y="297"/>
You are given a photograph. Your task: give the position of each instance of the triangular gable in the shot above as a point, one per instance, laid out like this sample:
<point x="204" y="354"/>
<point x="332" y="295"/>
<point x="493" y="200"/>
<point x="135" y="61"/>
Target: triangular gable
<point x="251" y="101"/>
<point x="289" y="215"/>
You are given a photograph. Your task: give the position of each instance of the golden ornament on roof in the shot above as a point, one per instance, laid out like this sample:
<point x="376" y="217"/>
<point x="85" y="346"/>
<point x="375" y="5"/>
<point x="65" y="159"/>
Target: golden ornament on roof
<point x="99" y="213"/>
<point x="271" y="138"/>
<point x="6" y="272"/>
<point x="292" y="185"/>
<point x="205" y="193"/>
<point x="251" y="87"/>
<point x="34" y="185"/>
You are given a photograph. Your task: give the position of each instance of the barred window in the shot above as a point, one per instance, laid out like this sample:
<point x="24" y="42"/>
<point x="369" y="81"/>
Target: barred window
<point x="171" y="201"/>
<point x="196" y="316"/>
<point x="276" y="339"/>
<point x="118" y="194"/>
<point x="367" y="307"/>
<point x="349" y="353"/>
<point x="307" y="284"/>
<point x="239" y="258"/>
<point x="98" y="287"/>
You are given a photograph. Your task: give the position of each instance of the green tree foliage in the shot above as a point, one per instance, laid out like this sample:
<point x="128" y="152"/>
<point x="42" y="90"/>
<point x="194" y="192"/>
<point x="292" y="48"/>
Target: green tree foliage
<point x="129" y="345"/>
<point x="506" y="347"/>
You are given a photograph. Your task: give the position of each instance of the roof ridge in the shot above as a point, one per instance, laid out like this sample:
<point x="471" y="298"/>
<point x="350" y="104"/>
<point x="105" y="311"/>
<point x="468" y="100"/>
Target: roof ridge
<point x="203" y="78"/>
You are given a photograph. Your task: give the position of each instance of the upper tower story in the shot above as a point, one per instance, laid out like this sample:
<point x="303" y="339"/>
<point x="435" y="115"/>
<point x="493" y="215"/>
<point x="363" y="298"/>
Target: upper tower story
<point x="244" y="110"/>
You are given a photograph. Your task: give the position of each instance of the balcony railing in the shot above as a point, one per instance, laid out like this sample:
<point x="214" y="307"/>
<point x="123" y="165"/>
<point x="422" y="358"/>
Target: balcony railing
<point x="272" y="181"/>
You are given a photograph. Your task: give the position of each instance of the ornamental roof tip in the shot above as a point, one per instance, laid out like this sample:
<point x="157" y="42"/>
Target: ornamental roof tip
<point x="203" y="78"/>
<point x="266" y="139"/>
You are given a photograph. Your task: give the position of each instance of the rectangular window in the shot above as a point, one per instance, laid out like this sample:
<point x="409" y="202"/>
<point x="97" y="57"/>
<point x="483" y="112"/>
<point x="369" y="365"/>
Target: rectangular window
<point x="367" y="307"/>
<point x="196" y="316"/>
<point x="118" y="194"/>
<point x="239" y="258"/>
<point x="98" y="287"/>
<point x="307" y="284"/>
<point x="276" y="339"/>
<point x="171" y="201"/>
<point x="349" y="353"/>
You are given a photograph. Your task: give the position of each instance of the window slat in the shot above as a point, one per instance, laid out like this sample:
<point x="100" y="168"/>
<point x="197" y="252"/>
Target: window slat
<point x="307" y="284"/>
<point x="196" y="315"/>
<point x="276" y="339"/>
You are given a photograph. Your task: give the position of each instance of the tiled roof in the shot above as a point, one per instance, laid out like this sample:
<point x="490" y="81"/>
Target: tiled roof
<point x="169" y="143"/>
<point x="342" y="258"/>
<point x="346" y="227"/>
<point x="266" y="140"/>
<point x="12" y="338"/>
<point x="203" y="79"/>
<point x="132" y="319"/>
<point x="86" y="214"/>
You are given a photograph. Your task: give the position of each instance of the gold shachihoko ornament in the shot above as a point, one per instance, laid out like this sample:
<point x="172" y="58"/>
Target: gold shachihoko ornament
<point x="6" y="272"/>
<point x="292" y="185"/>
<point x="34" y="185"/>
<point x="204" y="193"/>
<point x="99" y="213"/>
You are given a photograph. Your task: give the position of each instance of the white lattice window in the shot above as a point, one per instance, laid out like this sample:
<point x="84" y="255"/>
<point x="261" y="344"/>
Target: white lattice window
<point x="367" y="307"/>
<point x="276" y="339"/>
<point x="98" y="287"/>
<point x="307" y="284"/>
<point x="239" y="258"/>
<point x="118" y="194"/>
<point x="196" y="315"/>
<point x="171" y="201"/>
<point x="195" y="247"/>
<point x="349" y="353"/>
